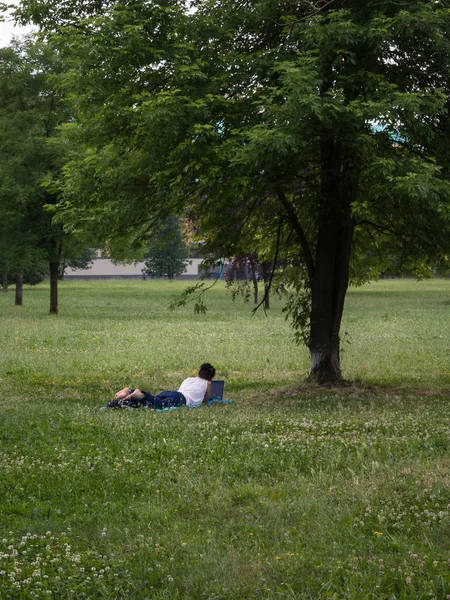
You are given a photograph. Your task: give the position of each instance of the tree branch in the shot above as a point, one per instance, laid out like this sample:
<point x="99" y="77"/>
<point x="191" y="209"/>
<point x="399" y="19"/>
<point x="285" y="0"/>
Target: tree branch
<point x="299" y="232"/>
<point x="267" y="290"/>
<point x="317" y="10"/>
<point x="379" y="228"/>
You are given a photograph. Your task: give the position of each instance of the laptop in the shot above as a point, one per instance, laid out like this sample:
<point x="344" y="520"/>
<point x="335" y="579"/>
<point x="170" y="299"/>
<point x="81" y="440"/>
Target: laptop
<point x="217" y="387"/>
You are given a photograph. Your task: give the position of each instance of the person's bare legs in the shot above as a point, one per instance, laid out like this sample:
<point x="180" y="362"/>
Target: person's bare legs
<point x="124" y="396"/>
<point x="135" y="395"/>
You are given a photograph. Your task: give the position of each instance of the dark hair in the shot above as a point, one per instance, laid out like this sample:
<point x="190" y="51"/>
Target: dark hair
<point x="206" y="371"/>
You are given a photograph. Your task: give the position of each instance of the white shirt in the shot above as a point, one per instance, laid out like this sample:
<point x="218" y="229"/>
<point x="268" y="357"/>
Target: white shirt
<point x="194" y="390"/>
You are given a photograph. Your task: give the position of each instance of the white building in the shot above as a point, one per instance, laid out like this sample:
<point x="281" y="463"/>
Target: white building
<point x="103" y="268"/>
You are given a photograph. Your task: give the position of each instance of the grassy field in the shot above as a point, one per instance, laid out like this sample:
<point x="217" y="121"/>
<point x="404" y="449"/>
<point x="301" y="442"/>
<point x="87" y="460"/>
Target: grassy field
<point x="288" y="492"/>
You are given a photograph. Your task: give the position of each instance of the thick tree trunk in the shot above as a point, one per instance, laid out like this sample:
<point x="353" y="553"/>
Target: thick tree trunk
<point x="5" y="281"/>
<point x="19" y="290"/>
<point x="334" y="242"/>
<point x="54" y="276"/>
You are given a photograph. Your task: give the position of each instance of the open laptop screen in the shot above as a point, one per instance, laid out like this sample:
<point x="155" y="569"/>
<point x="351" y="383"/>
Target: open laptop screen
<point x="217" y="387"/>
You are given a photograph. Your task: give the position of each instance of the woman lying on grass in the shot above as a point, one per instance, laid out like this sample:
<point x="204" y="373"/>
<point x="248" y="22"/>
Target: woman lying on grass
<point x="192" y="392"/>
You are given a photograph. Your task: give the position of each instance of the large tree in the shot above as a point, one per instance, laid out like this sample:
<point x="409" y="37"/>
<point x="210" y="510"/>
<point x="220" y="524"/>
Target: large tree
<point x="326" y="120"/>
<point x="31" y="109"/>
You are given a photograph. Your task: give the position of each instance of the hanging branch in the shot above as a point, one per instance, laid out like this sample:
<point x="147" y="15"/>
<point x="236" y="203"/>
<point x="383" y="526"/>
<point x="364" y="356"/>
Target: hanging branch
<point x="267" y="290"/>
<point x="290" y="212"/>
<point x="199" y="306"/>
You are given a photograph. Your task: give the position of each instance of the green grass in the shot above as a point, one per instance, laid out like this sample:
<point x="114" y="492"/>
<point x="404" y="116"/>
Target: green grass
<point x="289" y="492"/>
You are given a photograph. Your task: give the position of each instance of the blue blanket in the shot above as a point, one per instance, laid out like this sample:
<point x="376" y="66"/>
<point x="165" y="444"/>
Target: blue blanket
<point x="211" y="401"/>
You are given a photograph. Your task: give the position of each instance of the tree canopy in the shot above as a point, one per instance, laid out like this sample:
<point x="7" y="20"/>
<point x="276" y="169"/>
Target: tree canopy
<point x="323" y="124"/>
<point x="31" y="109"/>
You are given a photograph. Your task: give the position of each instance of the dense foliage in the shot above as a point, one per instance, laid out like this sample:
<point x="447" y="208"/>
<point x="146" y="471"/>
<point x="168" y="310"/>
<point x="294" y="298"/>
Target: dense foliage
<point x="32" y="245"/>
<point x="28" y="115"/>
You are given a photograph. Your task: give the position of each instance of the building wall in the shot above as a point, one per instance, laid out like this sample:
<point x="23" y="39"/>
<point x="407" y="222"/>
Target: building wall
<point x="103" y="268"/>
